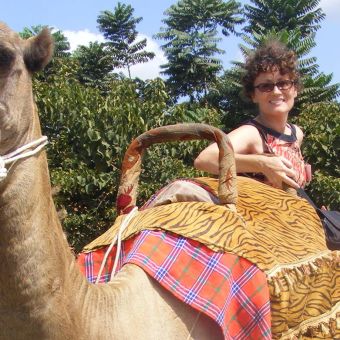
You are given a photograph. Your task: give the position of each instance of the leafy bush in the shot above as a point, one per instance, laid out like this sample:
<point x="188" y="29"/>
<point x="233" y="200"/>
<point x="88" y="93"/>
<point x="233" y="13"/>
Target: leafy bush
<point x="89" y="133"/>
<point x="321" y="148"/>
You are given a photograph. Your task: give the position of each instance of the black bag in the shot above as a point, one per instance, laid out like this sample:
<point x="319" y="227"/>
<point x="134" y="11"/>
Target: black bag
<point x="331" y="225"/>
<point x="330" y="220"/>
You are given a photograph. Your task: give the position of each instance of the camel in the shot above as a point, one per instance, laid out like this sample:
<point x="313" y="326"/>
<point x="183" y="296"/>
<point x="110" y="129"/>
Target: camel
<point x="43" y="293"/>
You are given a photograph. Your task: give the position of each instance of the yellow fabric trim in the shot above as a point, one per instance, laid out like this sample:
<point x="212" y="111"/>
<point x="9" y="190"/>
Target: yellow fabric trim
<point x="327" y="254"/>
<point x="320" y="324"/>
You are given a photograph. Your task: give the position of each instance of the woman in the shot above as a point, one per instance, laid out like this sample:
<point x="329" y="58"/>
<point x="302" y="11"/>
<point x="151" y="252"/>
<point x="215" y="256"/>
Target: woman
<point x="267" y="146"/>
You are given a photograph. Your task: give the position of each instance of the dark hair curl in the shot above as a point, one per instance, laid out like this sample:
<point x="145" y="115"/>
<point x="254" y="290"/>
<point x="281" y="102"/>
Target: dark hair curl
<point x="271" y="56"/>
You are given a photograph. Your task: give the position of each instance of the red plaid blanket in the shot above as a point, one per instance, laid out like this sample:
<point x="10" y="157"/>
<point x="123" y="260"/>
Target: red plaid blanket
<point x="228" y="288"/>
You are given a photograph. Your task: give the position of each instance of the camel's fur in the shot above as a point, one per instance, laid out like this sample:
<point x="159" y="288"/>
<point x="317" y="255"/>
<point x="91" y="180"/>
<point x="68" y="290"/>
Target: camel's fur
<point x="43" y="295"/>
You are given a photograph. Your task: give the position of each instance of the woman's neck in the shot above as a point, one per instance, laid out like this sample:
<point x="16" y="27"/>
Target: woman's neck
<point x="278" y="124"/>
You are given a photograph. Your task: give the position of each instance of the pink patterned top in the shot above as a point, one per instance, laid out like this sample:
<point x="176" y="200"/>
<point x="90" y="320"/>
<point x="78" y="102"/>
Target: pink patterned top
<point x="286" y="146"/>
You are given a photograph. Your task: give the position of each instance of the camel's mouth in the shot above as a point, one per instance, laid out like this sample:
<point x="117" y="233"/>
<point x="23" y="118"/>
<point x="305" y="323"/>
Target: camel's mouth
<point x="3" y="115"/>
<point x="5" y="121"/>
<point x="2" y="109"/>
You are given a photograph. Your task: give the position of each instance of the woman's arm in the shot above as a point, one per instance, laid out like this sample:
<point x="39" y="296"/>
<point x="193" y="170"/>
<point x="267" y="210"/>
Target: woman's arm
<point x="245" y="140"/>
<point x="207" y="160"/>
<point x="249" y="157"/>
<point x="242" y="139"/>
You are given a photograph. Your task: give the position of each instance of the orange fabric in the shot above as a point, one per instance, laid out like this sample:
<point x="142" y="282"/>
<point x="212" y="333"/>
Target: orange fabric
<point x="228" y="288"/>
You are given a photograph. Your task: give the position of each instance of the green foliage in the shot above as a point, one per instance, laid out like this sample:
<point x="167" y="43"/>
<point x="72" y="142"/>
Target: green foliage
<point x="318" y="89"/>
<point x="95" y="66"/>
<point x="316" y="86"/>
<point x="89" y="133"/>
<point x="228" y="97"/>
<point x="163" y="163"/>
<point x="325" y="190"/>
<point x="294" y="23"/>
<point x="321" y="148"/>
<point x="283" y="15"/>
<point x="91" y="115"/>
<point x="61" y="52"/>
<point x="119" y="27"/>
<point x="191" y="35"/>
<point x="61" y="44"/>
<point x="192" y="15"/>
<point x="191" y="70"/>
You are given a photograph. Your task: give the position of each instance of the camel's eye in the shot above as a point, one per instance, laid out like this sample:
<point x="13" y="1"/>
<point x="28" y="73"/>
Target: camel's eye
<point x="7" y="58"/>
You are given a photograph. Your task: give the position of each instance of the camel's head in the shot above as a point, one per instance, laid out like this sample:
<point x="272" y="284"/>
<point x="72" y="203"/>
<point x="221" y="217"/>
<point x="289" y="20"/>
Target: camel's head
<point x="19" y="59"/>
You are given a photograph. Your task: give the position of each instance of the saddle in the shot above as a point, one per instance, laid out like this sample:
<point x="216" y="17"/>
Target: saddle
<point x="278" y="232"/>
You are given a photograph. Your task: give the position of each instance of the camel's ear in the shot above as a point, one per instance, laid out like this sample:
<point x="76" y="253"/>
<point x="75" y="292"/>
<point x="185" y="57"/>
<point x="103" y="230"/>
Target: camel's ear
<point x="39" y="50"/>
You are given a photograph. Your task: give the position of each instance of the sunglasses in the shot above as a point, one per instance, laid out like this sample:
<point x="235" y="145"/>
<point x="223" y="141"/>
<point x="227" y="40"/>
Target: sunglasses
<point x="281" y="85"/>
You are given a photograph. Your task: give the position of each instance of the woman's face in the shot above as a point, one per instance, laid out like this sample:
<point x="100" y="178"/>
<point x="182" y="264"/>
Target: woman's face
<point x="275" y="102"/>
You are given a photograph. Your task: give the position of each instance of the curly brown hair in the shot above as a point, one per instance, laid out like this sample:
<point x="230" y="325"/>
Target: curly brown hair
<point x="271" y="56"/>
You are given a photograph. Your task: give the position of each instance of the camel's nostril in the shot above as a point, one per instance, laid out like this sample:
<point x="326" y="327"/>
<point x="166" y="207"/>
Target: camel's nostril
<point x="2" y="108"/>
<point x="3" y="116"/>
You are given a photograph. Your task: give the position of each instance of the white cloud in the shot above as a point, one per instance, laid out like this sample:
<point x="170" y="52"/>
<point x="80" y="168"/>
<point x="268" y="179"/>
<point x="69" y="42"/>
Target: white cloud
<point x="149" y="70"/>
<point x="331" y="8"/>
<point x="83" y="37"/>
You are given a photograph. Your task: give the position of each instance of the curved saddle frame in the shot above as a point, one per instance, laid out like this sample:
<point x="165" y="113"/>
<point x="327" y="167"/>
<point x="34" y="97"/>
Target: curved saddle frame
<point x="131" y="167"/>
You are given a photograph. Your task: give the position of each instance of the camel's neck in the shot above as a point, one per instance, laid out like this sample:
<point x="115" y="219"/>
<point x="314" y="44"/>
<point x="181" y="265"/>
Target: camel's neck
<point x="28" y="220"/>
<point x="36" y="267"/>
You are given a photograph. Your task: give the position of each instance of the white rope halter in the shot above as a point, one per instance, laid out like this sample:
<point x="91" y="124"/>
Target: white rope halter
<point x="21" y="153"/>
<point x="117" y="239"/>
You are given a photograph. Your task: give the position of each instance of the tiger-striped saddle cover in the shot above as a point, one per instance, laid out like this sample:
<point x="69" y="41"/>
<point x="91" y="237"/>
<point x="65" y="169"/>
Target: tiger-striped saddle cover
<point x="278" y="232"/>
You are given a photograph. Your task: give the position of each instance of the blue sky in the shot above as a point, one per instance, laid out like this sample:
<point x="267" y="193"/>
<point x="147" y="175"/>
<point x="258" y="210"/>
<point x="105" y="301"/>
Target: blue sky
<point x="77" y="19"/>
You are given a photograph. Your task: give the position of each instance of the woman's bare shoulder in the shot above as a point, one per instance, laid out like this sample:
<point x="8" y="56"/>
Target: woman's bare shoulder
<point x="246" y="139"/>
<point x="299" y="134"/>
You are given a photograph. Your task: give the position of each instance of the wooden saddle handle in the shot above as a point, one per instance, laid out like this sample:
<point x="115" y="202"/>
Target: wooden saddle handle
<point x="131" y="167"/>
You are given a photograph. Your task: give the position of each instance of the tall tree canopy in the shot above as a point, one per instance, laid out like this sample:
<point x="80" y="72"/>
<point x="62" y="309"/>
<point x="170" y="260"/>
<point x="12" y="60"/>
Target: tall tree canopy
<point x="283" y="15"/>
<point x="61" y="57"/>
<point x="119" y="28"/>
<point x="95" y="66"/>
<point x="91" y="115"/>
<point x="61" y="44"/>
<point x="295" y="23"/>
<point x="191" y="35"/>
<point x="317" y="87"/>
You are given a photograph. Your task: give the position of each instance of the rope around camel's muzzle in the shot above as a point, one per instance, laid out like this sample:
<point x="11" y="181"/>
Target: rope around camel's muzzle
<point x="20" y="153"/>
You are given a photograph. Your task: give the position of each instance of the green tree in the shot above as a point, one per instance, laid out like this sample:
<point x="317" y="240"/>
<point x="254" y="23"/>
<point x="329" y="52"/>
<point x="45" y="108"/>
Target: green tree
<point x="88" y="137"/>
<point x="61" y="56"/>
<point x="294" y="23"/>
<point x="119" y="28"/>
<point x="191" y="35"/>
<point x="321" y="147"/>
<point x="61" y="44"/>
<point x="283" y="15"/>
<point x="228" y="95"/>
<point x="95" y="66"/>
